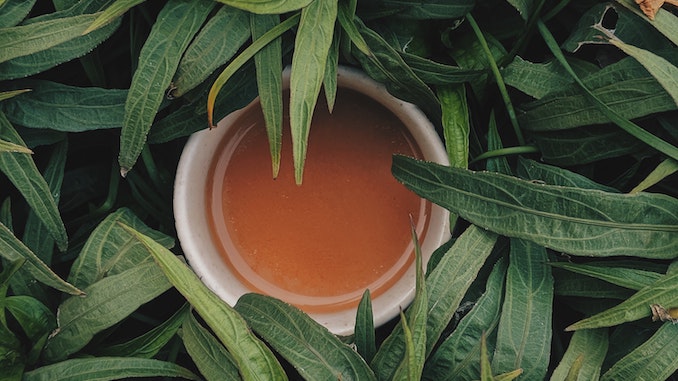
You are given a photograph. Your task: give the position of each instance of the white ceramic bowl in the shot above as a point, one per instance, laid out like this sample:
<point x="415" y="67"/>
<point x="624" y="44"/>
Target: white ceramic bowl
<point x="203" y="255"/>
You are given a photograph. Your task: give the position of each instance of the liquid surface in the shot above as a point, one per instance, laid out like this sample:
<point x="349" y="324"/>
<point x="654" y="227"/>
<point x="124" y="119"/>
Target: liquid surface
<point x="345" y="229"/>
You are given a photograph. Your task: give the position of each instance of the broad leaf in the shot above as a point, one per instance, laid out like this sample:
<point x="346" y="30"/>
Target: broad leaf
<point x="108" y="301"/>
<point x="311" y="48"/>
<point x="107" y="368"/>
<point x="254" y="360"/>
<point x="174" y="29"/>
<point x="524" y="333"/>
<point x="23" y="173"/>
<point x="446" y="286"/>
<point x="208" y="354"/>
<point x="457" y="357"/>
<point x="209" y="50"/>
<point x="663" y="292"/>
<point x="655" y="359"/>
<point x="315" y="352"/>
<point x="573" y="220"/>
<point x="66" y="108"/>
<point x="591" y="346"/>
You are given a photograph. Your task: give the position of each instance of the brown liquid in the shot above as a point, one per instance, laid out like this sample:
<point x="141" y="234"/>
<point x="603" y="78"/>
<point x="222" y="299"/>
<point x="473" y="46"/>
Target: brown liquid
<point x="345" y="229"/>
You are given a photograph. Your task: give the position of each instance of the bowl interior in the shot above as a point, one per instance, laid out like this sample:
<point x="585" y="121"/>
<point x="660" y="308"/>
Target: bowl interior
<point x="203" y="255"/>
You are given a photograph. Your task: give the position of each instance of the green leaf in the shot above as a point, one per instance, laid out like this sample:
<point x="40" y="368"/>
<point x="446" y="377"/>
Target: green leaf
<point x="629" y="278"/>
<point x="524" y="333"/>
<point x="330" y="75"/>
<point x="66" y="108"/>
<point x="268" y="63"/>
<point x="664" y="21"/>
<point x="446" y="286"/>
<point x="108" y="301"/>
<point x="311" y="48"/>
<point x="174" y="29"/>
<point x="485" y="366"/>
<point x="524" y="7"/>
<point x="13" y="11"/>
<point x="23" y="40"/>
<point x="574" y="284"/>
<point x="6" y="146"/>
<point x="35" y="318"/>
<point x="112" y="249"/>
<point x="267" y="6"/>
<point x="456" y="357"/>
<point x="313" y="350"/>
<point x="107" y="368"/>
<point x="655" y="359"/>
<point x="12" y="249"/>
<point x="435" y="9"/>
<point x="456" y="123"/>
<point x="23" y="173"/>
<point x="4" y="95"/>
<point x="414" y="324"/>
<point x="572" y="220"/>
<point x="151" y="342"/>
<point x="435" y="73"/>
<point x="365" y="341"/>
<point x="112" y="13"/>
<point x="210" y="49"/>
<point x="587" y="346"/>
<point x="540" y="79"/>
<point x="40" y="61"/>
<point x="662" y="171"/>
<point x="663" y="292"/>
<point x="346" y="17"/>
<point x="535" y="171"/>
<point x="208" y="354"/>
<point x="254" y="360"/>
<point x="661" y="69"/>
<point x="617" y="85"/>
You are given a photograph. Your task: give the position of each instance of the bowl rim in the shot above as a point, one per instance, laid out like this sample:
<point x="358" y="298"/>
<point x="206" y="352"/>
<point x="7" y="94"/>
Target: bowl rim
<point x="203" y="256"/>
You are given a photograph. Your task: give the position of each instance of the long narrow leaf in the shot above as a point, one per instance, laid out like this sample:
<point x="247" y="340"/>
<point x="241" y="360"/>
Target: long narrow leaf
<point x="6" y="146"/>
<point x="107" y="368"/>
<point x="629" y="278"/>
<point x="208" y="354"/>
<point x="365" y="341"/>
<point x="576" y="221"/>
<point x="111" y="13"/>
<point x="662" y="171"/>
<point x="174" y="29"/>
<point x="524" y="333"/>
<point x="23" y="173"/>
<point x="663" y="292"/>
<point x="254" y="360"/>
<point x="108" y="301"/>
<point x="313" y="350"/>
<point x="268" y="62"/>
<point x="311" y="48"/>
<point x="267" y="6"/>
<point x="446" y="286"/>
<point x="591" y="346"/>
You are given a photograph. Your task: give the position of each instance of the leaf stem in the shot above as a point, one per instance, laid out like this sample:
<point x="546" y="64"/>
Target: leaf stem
<point x="498" y="78"/>
<point x="505" y="152"/>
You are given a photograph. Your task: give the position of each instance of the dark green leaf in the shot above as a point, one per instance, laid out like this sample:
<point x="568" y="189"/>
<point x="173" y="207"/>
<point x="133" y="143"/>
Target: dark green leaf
<point x="629" y="278"/>
<point x="151" y="342"/>
<point x="311" y="49"/>
<point x="524" y="333"/>
<point x="23" y="173"/>
<point x="107" y="368"/>
<point x="115" y="11"/>
<point x="589" y="346"/>
<point x="254" y="360"/>
<point x="664" y="21"/>
<point x="13" y="11"/>
<point x="655" y="359"/>
<point x="576" y="221"/>
<point x="267" y="6"/>
<point x="457" y="357"/>
<point x="535" y="171"/>
<point x="12" y="249"/>
<point x="108" y="301"/>
<point x="435" y="73"/>
<point x="174" y="29"/>
<point x="111" y="249"/>
<point x="208" y="354"/>
<point x="539" y="79"/>
<point x="456" y="123"/>
<point x="524" y="7"/>
<point x="210" y="49"/>
<point x="34" y="317"/>
<point x="617" y="85"/>
<point x="435" y="9"/>
<point x="364" y="328"/>
<point x="23" y="40"/>
<point x="66" y="108"/>
<point x="662" y="292"/>
<point x="446" y="286"/>
<point x="573" y="284"/>
<point x="315" y="352"/>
